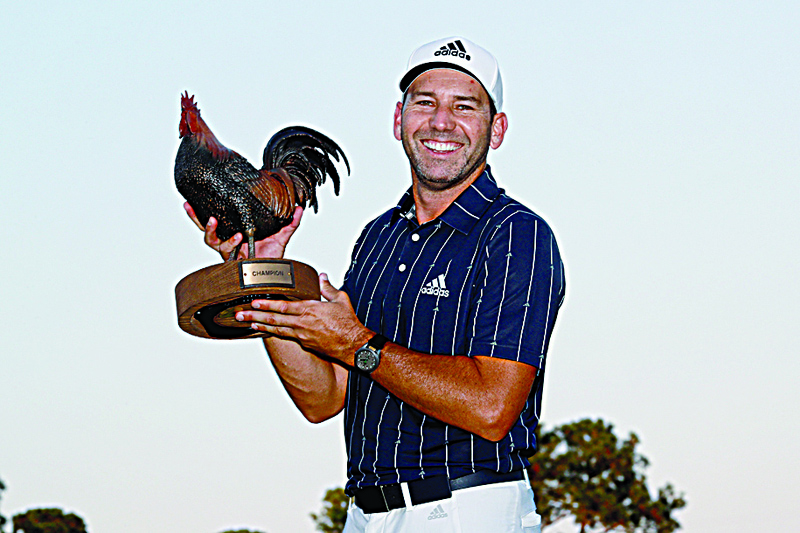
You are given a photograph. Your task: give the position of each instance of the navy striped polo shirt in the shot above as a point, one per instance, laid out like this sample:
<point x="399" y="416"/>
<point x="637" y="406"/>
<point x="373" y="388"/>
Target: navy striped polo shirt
<point x="485" y="278"/>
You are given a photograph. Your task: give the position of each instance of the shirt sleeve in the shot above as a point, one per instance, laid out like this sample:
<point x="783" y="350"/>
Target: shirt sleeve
<point x="520" y="280"/>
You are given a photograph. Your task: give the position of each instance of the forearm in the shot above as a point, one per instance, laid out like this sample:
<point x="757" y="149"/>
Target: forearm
<point x="482" y="395"/>
<point x="316" y="386"/>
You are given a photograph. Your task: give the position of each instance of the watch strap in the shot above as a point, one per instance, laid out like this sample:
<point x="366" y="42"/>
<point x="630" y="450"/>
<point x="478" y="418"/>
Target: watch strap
<point x="377" y="342"/>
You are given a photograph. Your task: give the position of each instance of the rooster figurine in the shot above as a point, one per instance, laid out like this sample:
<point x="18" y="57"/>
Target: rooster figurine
<point x="218" y="182"/>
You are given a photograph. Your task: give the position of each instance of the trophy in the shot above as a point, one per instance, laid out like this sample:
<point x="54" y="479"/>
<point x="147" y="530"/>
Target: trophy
<point x="218" y="182"/>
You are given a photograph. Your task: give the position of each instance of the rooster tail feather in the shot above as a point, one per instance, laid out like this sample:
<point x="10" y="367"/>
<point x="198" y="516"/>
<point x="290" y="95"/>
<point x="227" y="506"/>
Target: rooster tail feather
<point x="275" y="190"/>
<point x="305" y="155"/>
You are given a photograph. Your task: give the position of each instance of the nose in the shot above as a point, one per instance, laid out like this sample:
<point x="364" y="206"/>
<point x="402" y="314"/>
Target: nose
<point x="442" y="119"/>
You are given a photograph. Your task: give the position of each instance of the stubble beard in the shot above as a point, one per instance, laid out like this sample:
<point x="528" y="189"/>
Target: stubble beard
<point x="442" y="175"/>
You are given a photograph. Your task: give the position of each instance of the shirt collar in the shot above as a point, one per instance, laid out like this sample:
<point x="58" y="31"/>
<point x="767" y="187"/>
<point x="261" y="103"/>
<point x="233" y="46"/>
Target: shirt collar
<point x="465" y="211"/>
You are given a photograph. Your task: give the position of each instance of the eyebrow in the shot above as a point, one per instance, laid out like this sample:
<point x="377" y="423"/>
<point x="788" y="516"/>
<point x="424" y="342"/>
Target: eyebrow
<point x="433" y="95"/>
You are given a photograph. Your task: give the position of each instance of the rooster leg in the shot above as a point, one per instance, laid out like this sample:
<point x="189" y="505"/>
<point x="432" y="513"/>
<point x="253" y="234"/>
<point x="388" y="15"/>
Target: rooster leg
<point x="251" y="242"/>
<point x="235" y="253"/>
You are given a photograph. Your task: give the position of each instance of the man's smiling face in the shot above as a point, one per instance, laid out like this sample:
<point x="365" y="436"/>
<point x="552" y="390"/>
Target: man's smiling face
<point x="444" y="124"/>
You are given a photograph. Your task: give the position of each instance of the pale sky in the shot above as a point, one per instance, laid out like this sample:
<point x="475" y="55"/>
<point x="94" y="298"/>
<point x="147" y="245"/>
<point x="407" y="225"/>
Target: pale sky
<point x="659" y="140"/>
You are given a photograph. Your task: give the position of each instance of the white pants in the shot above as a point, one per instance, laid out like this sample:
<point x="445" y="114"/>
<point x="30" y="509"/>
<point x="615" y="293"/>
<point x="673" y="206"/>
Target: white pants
<point x="496" y="508"/>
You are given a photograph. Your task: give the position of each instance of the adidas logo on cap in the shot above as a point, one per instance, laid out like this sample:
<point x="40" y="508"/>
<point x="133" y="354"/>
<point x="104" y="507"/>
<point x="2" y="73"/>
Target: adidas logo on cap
<point x="457" y="53"/>
<point x="454" y="48"/>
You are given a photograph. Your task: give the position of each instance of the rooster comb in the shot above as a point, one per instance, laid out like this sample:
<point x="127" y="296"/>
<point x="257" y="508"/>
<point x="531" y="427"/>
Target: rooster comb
<point x="188" y="101"/>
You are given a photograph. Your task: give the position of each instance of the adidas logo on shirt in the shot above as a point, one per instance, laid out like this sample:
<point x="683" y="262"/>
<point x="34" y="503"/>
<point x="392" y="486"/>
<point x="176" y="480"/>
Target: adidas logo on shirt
<point x="436" y="287"/>
<point x="454" y="48"/>
<point x="437" y="512"/>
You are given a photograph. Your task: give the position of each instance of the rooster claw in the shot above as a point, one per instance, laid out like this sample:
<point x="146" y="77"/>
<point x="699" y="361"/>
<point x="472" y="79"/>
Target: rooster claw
<point x="251" y="243"/>
<point x="235" y="253"/>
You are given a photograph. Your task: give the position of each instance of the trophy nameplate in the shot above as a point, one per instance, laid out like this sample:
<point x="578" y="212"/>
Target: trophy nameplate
<point x="209" y="299"/>
<point x="255" y="273"/>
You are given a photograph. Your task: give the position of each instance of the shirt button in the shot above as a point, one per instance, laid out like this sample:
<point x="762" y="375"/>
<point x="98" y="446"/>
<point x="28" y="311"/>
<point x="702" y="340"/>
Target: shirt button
<point x="402" y="268"/>
<point x="415" y="237"/>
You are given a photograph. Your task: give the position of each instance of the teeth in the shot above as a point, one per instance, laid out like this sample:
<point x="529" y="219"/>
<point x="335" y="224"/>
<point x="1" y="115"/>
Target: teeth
<point x="441" y="147"/>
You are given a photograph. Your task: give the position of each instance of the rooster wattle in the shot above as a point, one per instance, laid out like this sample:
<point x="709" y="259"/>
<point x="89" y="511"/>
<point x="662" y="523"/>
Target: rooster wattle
<point x="218" y="182"/>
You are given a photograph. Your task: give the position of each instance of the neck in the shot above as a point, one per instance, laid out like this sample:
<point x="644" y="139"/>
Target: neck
<point x="431" y="202"/>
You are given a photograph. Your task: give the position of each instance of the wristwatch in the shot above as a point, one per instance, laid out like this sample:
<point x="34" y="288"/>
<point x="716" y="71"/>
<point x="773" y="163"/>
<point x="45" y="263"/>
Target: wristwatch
<point x="369" y="356"/>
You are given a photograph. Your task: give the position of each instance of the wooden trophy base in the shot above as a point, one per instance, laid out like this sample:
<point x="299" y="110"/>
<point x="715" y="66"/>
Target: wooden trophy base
<point x="209" y="299"/>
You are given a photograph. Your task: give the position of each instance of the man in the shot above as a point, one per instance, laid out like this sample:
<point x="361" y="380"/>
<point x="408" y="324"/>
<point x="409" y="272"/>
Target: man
<point x="435" y="346"/>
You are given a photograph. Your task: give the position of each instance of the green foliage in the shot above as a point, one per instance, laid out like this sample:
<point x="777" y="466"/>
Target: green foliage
<point x="334" y="512"/>
<point x="582" y="470"/>
<point x="48" y="521"/>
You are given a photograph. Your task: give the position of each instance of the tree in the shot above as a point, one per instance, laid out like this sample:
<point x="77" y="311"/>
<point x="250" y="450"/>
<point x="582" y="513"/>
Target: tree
<point x="334" y="512"/>
<point x="48" y="521"/>
<point x="581" y="469"/>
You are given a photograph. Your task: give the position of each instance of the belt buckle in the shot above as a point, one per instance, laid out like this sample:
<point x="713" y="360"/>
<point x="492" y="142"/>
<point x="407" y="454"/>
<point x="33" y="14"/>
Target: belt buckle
<point x="392" y="497"/>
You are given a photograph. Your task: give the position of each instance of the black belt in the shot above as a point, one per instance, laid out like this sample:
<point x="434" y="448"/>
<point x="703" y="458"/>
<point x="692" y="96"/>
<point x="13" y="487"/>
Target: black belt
<point x="383" y="498"/>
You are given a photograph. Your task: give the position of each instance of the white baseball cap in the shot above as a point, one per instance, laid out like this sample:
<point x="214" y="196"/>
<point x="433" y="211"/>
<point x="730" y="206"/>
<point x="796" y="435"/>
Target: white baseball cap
<point x="457" y="53"/>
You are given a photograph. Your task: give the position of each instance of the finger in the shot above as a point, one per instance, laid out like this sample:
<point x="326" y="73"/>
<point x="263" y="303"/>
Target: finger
<point x="272" y="320"/>
<point x="326" y="289"/>
<point x="279" y="307"/>
<point x="296" y="216"/>
<point x="274" y="330"/>
<point x="214" y="241"/>
<point x="192" y="215"/>
<point x="211" y="232"/>
<point x="229" y="245"/>
<point x="287" y="231"/>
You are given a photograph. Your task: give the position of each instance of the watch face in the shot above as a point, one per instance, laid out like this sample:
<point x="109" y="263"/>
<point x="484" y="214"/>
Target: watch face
<point x="366" y="360"/>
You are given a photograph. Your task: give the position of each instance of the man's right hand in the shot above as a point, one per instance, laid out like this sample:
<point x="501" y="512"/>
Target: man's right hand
<point x="271" y="247"/>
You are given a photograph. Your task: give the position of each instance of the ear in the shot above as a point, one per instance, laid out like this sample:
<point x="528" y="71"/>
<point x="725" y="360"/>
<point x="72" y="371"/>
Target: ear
<point x="499" y="128"/>
<point x="398" y="121"/>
